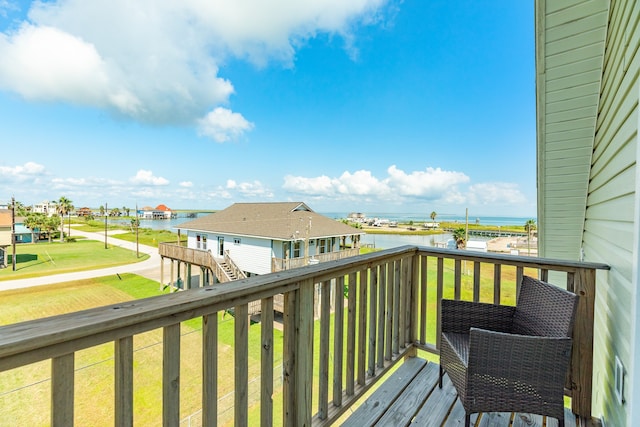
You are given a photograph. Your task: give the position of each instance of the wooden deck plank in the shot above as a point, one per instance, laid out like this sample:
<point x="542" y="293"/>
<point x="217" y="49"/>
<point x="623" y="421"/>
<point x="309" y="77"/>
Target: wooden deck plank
<point x="456" y="416"/>
<point x="495" y="419"/>
<point x="411" y="396"/>
<point x="403" y="409"/>
<point x="375" y="406"/>
<point x="436" y="408"/>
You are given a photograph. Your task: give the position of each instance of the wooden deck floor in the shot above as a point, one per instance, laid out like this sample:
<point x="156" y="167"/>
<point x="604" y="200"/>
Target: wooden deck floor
<point x="411" y="396"/>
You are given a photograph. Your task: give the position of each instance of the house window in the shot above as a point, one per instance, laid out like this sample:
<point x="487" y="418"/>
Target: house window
<point x="204" y="242"/>
<point x="322" y="246"/>
<point x="296" y="249"/>
<point x="197" y="241"/>
<point x="236" y="241"/>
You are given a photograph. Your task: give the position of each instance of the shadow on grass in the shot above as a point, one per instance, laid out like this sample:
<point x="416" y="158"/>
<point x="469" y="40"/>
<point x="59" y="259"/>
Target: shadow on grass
<point x="23" y="258"/>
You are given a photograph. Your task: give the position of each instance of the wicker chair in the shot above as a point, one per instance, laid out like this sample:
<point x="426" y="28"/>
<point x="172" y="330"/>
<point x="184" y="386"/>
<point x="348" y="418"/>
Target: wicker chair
<point x="510" y="359"/>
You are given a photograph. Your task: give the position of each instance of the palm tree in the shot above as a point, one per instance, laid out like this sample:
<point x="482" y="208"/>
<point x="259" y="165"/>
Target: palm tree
<point x="51" y="224"/>
<point x="529" y="226"/>
<point x="101" y="210"/>
<point x="65" y="206"/>
<point x="433" y="216"/>
<point x="459" y="235"/>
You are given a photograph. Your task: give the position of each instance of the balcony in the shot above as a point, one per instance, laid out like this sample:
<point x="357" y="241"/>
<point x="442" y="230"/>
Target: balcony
<point x="346" y="324"/>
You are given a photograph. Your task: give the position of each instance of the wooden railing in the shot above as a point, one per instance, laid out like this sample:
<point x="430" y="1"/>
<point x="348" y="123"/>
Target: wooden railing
<point x="239" y="274"/>
<point x="198" y="257"/>
<point x="280" y="264"/>
<point x="373" y="310"/>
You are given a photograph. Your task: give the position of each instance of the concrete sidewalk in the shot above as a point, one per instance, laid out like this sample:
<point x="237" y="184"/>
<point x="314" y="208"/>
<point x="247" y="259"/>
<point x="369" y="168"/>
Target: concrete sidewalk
<point x="149" y="268"/>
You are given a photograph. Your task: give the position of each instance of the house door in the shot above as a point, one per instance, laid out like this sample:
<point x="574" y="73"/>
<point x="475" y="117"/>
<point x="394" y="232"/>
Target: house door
<point x="221" y="246"/>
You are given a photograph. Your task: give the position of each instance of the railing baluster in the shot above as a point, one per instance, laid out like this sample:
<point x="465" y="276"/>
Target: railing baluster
<point x="338" y="341"/>
<point x="289" y="399"/>
<point x="124" y="381"/>
<point x="382" y="300"/>
<point x="439" y="293"/>
<point x="241" y="355"/>
<point x="171" y="375"/>
<point x="402" y="324"/>
<point x="388" y="349"/>
<point x="457" y="279"/>
<point x="210" y="370"/>
<point x="266" y="362"/>
<point x="351" y="334"/>
<point x="476" y="281"/>
<point x="362" y="327"/>
<point x="423" y="299"/>
<point x="544" y="275"/>
<point x="497" y="282"/>
<point x="395" y="346"/>
<point x="325" y="324"/>
<point x="62" y="386"/>
<point x="373" y="319"/>
<point x="519" y="274"/>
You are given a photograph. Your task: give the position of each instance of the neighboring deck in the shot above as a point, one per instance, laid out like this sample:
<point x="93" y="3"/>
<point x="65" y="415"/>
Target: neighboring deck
<point x="411" y="396"/>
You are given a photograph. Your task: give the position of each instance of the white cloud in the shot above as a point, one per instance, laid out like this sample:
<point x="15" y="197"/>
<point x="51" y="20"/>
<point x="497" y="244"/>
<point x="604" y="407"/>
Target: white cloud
<point x="186" y="184"/>
<point x="249" y="189"/>
<point x="223" y="125"/>
<point x="160" y="62"/>
<point x="432" y="185"/>
<point x="146" y="177"/>
<point x="21" y="172"/>
<point x="495" y="193"/>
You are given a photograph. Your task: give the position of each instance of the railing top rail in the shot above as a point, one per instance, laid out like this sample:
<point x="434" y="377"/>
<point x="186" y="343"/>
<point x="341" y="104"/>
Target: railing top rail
<point x="517" y="260"/>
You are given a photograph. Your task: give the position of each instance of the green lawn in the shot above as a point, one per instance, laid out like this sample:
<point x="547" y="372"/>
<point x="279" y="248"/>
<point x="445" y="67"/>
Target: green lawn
<point x="38" y="259"/>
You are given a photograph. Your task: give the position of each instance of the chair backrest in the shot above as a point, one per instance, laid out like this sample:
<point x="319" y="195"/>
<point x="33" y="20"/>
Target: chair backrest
<point x="544" y="309"/>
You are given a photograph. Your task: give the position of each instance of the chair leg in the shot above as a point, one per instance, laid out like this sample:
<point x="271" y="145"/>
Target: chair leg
<point x="440" y="378"/>
<point x="467" y="420"/>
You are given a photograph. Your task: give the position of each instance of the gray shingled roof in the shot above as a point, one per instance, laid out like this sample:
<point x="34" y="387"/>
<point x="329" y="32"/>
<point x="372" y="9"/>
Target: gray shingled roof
<point x="280" y="221"/>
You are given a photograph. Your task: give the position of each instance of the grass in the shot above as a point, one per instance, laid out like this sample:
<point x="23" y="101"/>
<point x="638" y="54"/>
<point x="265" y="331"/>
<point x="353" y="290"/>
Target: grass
<point x="39" y="259"/>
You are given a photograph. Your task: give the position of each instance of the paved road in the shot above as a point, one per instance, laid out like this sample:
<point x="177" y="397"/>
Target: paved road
<point x="149" y="268"/>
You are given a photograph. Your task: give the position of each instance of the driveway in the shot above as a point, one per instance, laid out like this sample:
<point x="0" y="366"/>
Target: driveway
<point x="149" y="268"/>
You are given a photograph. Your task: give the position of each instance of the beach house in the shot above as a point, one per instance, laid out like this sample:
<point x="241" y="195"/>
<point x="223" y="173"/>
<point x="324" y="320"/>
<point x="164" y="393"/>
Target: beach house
<point x="5" y="235"/>
<point x="259" y="238"/>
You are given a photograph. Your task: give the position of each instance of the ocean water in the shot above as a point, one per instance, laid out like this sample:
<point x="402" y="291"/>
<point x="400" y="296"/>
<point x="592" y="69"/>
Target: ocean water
<point x="420" y="218"/>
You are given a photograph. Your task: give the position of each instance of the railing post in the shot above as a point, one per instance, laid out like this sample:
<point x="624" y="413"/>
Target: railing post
<point x="582" y="354"/>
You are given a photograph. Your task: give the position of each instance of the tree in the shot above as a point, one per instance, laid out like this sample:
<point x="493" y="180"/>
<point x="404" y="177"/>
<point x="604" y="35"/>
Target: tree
<point x="101" y="210"/>
<point x="460" y="236"/>
<point x="433" y="216"/>
<point x="51" y="224"/>
<point x="20" y="209"/>
<point x="529" y="227"/>
<point x="65" y="206"/>
<point x="114" y="212"/>
<point x="35" y="222"/>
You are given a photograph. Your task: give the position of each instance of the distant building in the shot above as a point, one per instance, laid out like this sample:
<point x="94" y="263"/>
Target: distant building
<point x="5" y="235"/>
<point x="84" y="212"/>
<point x="47" y="208"/>
<point x="159" y="212"/>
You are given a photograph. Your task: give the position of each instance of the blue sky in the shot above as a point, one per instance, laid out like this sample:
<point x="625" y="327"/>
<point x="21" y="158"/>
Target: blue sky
<point x="365" y="105"/>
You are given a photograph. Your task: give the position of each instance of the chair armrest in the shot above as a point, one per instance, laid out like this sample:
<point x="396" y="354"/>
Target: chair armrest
<point x="543" y="361"/>
<point x="460" y="316"/>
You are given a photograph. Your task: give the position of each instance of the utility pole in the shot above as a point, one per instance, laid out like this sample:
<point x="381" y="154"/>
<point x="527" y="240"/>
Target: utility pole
<point x="106" y="214"/>
<point x="137" y="226"/>
<point x="13" y="232"/>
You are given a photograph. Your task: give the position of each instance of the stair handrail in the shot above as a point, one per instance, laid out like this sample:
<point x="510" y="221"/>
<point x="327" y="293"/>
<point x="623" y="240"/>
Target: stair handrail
<point x="234" y="267"/>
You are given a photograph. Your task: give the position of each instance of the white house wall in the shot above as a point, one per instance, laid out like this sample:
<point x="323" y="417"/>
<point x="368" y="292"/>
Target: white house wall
<point x="612" y="215"/>
<point x="251" y="255"/>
